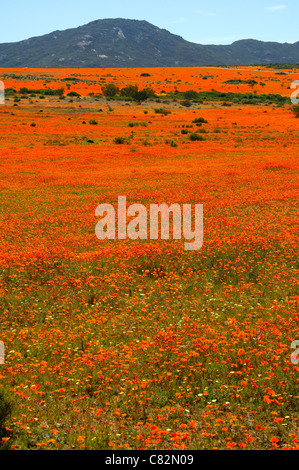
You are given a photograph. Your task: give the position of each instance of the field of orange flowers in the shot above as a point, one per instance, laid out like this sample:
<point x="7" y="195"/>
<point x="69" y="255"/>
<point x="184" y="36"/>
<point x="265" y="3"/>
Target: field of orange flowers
<point x="140" y="344"/>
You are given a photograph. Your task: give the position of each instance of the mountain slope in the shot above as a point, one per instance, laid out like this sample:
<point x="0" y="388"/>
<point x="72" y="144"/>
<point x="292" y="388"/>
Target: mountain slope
<point x="133" y="43"/>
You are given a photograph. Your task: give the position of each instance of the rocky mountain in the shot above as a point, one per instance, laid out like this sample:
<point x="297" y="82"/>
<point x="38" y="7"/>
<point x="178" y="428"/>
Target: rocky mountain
<point x="134" y="43"/>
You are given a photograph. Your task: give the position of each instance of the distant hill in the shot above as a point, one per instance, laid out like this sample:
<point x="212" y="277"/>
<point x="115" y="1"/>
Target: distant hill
<point x="132" y="43"/>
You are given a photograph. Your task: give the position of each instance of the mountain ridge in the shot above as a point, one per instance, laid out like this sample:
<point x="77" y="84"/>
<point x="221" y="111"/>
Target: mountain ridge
<point x="122" y="42"/>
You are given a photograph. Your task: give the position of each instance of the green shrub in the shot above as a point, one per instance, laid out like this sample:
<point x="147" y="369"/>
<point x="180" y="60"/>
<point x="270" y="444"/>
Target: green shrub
<point x="172" y="143"/>
<point x="143" y="95"/>
<point x="129" y="90"/>
<point x="186" y="103"/>
<point x="110" y="90"/>
<point x="240" y="82"/>
<point x="162" y="111"/>
<point x="295" y="110"/>
<point x="190" y="94"/>
<point x="200" y="120"/>
<point x="24" y="91"/>
<point x="120" y="140"/>
<point x="5" y="412"/>
<point x="195" y="137"/>
<point x="73" y="93"/>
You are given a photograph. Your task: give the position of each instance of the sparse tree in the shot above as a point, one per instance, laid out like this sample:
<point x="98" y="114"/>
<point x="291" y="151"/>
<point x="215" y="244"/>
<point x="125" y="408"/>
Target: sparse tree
<point x="110" y="90"/>
<point x="143" y="95"/>
<point x="129" y="90"/>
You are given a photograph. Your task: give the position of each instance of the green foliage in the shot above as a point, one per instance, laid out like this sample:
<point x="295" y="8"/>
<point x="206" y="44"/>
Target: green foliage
<point x="171" y="142"/>
<point x="57" y="92"/>
<point x="143" y="95"/>
<point x="10" y="91"/>
<point x="5" y="412"/>
<point x="242" y="98"/>
<point x="162" y="111"/>
<point x="73" y="94"/>
<point x="129" y="90"/>
<point x="109" y="90"/>
<point x="190" y="94"/>
<point x="200" y="121"/>
<point x="241" y="82"/>
<point x="295" y="110"/>
<point x="24" y="91"/>
<point x="46" y="92"/>
<point x="133" y="124"/>
<point x="186" y="103"/>
<point x="287" y="65"/>
<point x="195" y="137"/>
<point x="120" y="140"/>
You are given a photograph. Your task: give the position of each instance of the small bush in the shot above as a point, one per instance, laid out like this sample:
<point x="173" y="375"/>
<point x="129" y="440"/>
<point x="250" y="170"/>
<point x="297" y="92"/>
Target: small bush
<point x="172" y="143"/>
<point x="24" y="90"/>
<point x="73" y="93"/>
<point x="93" y="122"/>
<point x="143" y="95"/>
<point x="200" y="120"/>
<point x="193" y="137"/>
<point x="162" y="111"/>
<point x="295" y="110"/>
<point x="120" y="140"/>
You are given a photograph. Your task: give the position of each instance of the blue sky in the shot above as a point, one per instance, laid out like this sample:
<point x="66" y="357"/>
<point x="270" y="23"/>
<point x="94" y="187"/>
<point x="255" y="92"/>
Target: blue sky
<point x="214" y="22"/>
